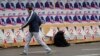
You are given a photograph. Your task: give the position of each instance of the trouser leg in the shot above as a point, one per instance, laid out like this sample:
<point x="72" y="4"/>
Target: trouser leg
<point x="40" y="41"/>
<point x="28" y="39"/>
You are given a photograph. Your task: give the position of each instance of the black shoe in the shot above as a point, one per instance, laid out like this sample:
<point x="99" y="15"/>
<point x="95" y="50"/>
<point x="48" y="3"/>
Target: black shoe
<point x="49" y="52"/>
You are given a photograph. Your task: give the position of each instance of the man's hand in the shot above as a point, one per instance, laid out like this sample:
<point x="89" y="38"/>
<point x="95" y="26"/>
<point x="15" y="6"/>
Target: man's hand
<point x="21" y="27"/>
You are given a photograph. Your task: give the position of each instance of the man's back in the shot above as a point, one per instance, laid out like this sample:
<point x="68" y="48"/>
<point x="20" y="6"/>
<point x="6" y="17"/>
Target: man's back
<point x="34" y="22"/>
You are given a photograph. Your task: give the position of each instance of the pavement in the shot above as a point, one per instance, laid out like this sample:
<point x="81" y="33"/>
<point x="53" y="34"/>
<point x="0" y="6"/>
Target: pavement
<point x="84" y="49"/>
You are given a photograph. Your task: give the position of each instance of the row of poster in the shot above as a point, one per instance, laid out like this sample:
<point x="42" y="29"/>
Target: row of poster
<point x="71" y="33"/>
<point x="77" y="32"/>
<point x="13" y="36"/>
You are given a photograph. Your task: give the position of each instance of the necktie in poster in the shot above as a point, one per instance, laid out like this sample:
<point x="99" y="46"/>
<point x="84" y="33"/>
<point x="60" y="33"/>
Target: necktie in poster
<point x="80" y="32"/>
<point x="96" y="31"/>
<point x="88" y="32"/>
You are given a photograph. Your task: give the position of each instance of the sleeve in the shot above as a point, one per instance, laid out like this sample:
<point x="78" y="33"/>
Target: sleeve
<point x="29" y="19"/>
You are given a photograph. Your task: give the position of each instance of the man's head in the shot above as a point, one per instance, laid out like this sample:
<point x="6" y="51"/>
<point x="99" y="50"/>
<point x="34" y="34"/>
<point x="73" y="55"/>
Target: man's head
<point x="29" y="8"/>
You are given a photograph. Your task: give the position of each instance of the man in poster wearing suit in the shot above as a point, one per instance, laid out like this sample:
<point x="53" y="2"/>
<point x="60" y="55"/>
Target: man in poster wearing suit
<point x="2" y="21"/>
<point x="94" y="17"/>
<point x="86" y="4"/>
<point x="59" y="4"/>
<point x="10" y="20"/>
<point x="77" y="18"/>
<point x="85" y="17"/>
<point x="77" y="5"/>
<point x="68" y="5"/>
<point x="10" y="5"/>
<point x="68" y="18"/>
<point x="94" y="4"/>
<point x="49" y="4"/>
<point x="20" y="5"/>
<point x="39" y="4"/>
<point x="49" y="18"/>
<point x="20" y="19"/>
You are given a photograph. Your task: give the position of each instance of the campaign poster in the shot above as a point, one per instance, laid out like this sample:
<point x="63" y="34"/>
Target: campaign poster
<point x="19" y="35"/>
<point x="2" y="36"/>
<point x="52" y="32"/>
<point x="42" y="35"/>
<point x="80" y="32"/>
<point x="88" y="32"/>
<point x="9" y="35"/>
<point x="72" y="32"/>
<point x="26" y="32"/>
<point x="96" y="31"/>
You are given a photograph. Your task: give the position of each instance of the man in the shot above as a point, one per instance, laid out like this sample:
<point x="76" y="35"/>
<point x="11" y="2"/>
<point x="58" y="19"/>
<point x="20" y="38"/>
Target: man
<point x="41" y="18"/>
<point x="20" y="5"/>
<point x="68" y="18"/>
<point x="39" y="4"/>
<point x="58" y="18"/>
<point x="77" y="4"/>
<point x="34" y="23"/>
<point x="10" y="20"/>
<point x="59" y="4"/>
<point x="85" y="17"/>
<point x="94" y="17"/>
<point x="68" y="5"/>
<point x="48" y="4"/>
<point x="86" y="4"/>
<point x="2" y="21"/>
<point x="94" y="4"/>
<point x="20" y="19"/>
<point x="77" y="18"/>
<point x="49" y="18"/>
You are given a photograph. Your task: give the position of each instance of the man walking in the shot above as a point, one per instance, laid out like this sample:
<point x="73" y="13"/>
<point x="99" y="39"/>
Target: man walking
<point x="34" y="22"/>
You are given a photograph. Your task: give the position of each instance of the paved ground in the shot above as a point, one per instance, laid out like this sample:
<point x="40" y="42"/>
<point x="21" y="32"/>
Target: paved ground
<point x="87" y="49"/>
